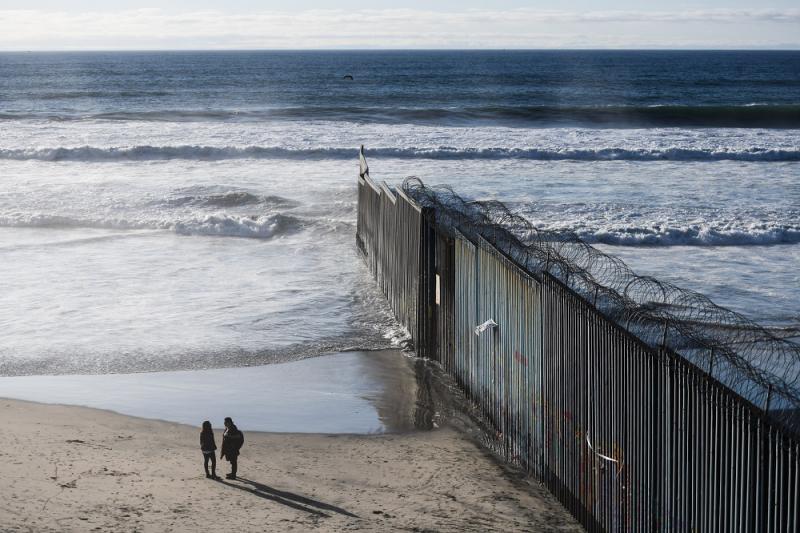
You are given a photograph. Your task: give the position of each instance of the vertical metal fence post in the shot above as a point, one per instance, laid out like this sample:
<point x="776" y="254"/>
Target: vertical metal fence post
<point x="628" y="436"/>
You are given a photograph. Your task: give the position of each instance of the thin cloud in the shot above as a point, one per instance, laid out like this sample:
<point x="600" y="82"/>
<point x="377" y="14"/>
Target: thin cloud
<point x="397" y="28"/>
<point x="708" y="15"/>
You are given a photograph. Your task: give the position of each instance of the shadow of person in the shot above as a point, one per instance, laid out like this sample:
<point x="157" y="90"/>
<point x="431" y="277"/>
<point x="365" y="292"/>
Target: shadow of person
<point x="295" y="501"/>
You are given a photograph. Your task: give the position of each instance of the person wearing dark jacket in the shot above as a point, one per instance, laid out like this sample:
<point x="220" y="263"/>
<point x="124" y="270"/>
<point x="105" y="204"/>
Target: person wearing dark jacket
<point x="209" y="448"/>
<point x="232" y="441"/>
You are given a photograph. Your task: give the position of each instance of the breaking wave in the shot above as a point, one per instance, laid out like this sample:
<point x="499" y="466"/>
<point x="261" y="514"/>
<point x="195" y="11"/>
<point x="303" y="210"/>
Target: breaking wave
<point x="229" y="199"/>
<point x="655" y="235"/>
<point x="696" y="237"/>
<point x="722" y="116"/>
<point x="263" y="227"/>
<point x="221" y="225"/>
<point x="211" y="153"/>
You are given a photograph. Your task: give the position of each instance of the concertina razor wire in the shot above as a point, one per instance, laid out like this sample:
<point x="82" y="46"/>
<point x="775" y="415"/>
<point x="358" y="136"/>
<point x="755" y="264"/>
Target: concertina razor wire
<point x="760" y="364"/>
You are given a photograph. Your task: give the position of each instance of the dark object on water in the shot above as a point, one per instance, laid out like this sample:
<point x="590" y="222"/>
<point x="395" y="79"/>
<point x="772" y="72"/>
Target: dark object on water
<point x="347" y="77"/>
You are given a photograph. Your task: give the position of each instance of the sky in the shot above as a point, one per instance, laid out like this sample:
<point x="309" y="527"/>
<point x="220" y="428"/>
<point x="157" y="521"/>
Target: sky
<point x="404" y="24"/>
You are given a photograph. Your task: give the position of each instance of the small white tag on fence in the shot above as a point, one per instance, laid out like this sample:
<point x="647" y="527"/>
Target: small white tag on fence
<point x="486" y="325"/>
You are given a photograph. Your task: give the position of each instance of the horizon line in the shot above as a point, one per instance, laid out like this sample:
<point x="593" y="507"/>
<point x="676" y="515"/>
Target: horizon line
<point x="789" y="48"/>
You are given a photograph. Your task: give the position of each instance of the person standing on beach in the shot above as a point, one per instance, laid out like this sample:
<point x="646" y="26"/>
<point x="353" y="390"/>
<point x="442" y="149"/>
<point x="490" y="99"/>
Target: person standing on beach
<point x="232" y="441"/>
<point x="209" y="449"/>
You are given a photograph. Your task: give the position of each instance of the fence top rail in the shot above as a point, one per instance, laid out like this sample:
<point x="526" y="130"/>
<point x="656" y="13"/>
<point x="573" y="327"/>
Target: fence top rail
<point x="388" y="192"/>
<point x="383" y="188"/>
<point x="550" y="280"/>
<point x="667" y="355"/>
<point x="509" y="262"/>
<point x="410" y="201"/>
<point x="372" y="184"/>
<point x="785" y="430"/>
<point x="749" y="359"/>
<point x="545" y="278"/>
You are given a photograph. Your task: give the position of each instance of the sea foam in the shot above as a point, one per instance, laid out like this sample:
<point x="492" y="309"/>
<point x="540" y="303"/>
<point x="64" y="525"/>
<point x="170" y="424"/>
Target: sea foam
<point x="219" y="224"/>
<point x="213" y="153"/>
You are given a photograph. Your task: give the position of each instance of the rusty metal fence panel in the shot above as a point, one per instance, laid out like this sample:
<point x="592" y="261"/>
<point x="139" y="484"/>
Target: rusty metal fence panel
<point x="466" y="342"/>
<point x="499" y="367"/>
<point x="388" y="233"/>
<point x="638" y="439"/>
<point x="627" y="437"/>
<point x="444" y="296"/>
<point x="405" y="263"/>
<point x="600" y="412"/>
<point x="368" y="223"/>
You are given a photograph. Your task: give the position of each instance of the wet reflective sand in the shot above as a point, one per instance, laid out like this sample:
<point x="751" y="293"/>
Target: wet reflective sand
<point x="353" y="392"/>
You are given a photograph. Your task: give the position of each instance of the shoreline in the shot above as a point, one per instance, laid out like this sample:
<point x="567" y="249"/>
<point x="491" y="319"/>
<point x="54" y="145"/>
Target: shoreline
<point x="347" y="393"/>
<point x="70" y="468"/>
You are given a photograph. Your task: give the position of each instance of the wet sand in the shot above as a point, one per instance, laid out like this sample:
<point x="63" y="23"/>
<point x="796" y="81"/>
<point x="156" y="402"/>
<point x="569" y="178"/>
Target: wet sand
<point x="80" y="469"/>
<point x="351" y="392"/>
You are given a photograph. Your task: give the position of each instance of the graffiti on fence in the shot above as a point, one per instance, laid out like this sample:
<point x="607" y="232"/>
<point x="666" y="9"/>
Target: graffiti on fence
<point x="628" y="435"/>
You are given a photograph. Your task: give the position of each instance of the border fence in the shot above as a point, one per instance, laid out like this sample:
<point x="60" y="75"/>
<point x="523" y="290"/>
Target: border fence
<point x="628" y="436"/>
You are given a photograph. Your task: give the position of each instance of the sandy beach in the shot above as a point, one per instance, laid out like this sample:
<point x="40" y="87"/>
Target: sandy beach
<point x="401" y="247"/>
<point x="77" y="469"/>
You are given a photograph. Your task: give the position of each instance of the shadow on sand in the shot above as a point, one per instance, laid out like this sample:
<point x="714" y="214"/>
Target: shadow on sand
<point x="289" y="499"/>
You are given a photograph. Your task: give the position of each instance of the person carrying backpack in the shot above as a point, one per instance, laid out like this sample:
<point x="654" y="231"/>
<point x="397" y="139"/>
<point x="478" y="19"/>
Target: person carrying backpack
<point x="232" y="441"/>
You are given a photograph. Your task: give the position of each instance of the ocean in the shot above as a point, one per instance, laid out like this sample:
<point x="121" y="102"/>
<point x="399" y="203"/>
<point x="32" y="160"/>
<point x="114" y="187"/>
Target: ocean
<point x="188" y="210"/>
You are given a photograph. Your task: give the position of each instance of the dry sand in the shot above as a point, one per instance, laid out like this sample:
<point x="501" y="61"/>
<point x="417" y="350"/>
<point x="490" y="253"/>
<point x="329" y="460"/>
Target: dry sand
<point x="77" y="469"/>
